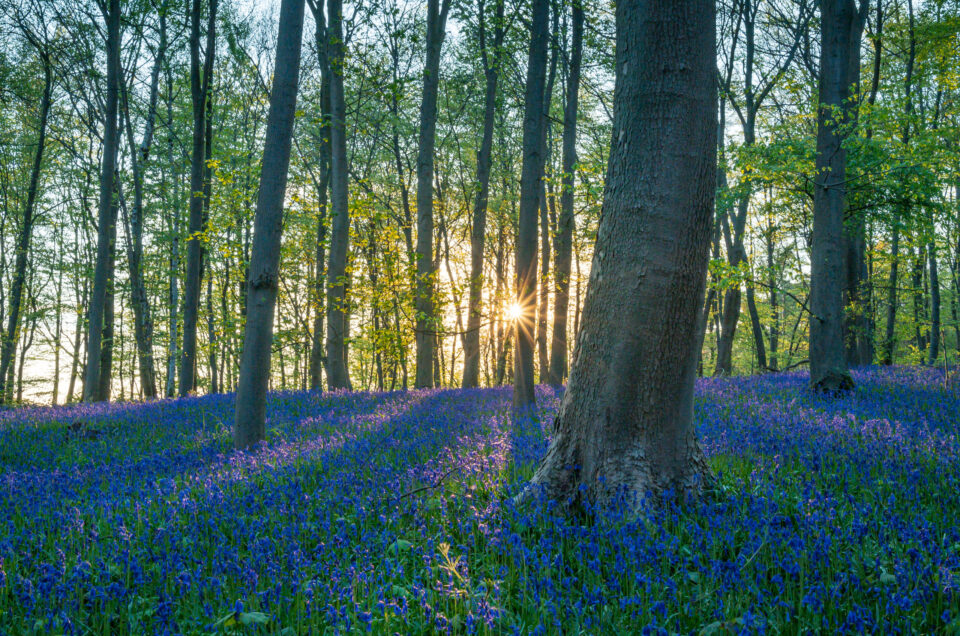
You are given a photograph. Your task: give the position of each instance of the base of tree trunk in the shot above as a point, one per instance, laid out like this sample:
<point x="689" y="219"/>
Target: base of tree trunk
<point x="577" y="474"/>
<point x="833" y="383"/>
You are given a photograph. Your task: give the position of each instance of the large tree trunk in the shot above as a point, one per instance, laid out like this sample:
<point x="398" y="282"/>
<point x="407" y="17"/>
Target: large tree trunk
<point x="625" y="425"/>
<point x="478" y="230"/>
<point x="338" y="374"/>
<point x="109" y="302"/>
<point x="841" y="28"/>
<point x="268" y="224"/>
<point x="530" y="175"/>
<point x="108" y="165"/>
<point x="9" y="343"/>
<point x="566" y="224"/>
<point x="200" y="92"/>
<point x="426" y="327"/>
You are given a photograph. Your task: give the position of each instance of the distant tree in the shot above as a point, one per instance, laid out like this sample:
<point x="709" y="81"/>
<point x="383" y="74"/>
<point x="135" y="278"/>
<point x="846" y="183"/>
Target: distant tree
<point x="264" y="274"/>
<point x="426" y="324"/>
<point x="100" y="305"/>
<point x="201" y="78"/>
<point x="530" y="176"/>
<point x="338" y="371"/>
<point x="566" y="223"/>
<point x="36" y="36"/>
<point x="626" y="420"/>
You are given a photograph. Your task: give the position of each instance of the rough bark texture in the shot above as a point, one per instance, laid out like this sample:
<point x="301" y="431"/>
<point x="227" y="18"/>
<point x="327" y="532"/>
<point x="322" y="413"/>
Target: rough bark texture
<point x="478" y="230"/>
<point x="268" y="224"/>
<point x="200" y="91"/>
<point x="338" y="374"/>
<point x="841" y="27"/>
<point x="26" y="233"/>
<point x="625" y="425"/>
<point x="426" y="272"/>
<point x="530" y="175"/>
<point x="108" y="165"/>
<point x="565" y="224"/>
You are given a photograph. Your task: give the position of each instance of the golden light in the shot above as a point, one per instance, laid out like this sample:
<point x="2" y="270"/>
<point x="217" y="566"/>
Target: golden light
<point x="515" y="311"/>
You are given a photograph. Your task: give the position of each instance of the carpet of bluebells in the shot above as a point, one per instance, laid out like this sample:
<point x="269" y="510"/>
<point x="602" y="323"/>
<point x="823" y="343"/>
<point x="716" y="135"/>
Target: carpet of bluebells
<point x="392" y="513"/>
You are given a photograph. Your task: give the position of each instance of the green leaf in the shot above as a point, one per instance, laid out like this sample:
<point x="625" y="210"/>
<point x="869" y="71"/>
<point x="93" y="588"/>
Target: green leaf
<point x="398" y="546"/>
<point x="254" y="618"/>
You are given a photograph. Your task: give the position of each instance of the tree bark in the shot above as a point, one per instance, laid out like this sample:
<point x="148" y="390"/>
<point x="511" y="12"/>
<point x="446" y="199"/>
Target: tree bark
<point x="841" y="28"/>
<point x="530" y="175"/>
<point x="316" y="345"/>
<point x="566" y="223"/>
<point x="338" y="374"/>
<point x="249" y="426"/>
<point x="143" y="320"/>
<point x="478" y="229"/>
<point x="108" y="164"/>
<point x="426" y="273"/>
<point x="200" y="92"/>
<point x="625" y="426"/>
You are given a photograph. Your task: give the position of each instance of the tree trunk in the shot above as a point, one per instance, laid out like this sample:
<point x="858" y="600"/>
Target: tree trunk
<point x="841" y="28"/>
<point x="426" y="320"/>
<point x="143" y="321"/>
<point x="249" y="428"/>
<point x="566" y="224"/>
<point x="478" y="229"/>
<point x="316" y="345"/>
<point x="338" y="374"/>
<point x="889" y="345"/>
<point x="625" y="426"/>
<point x="108" y="165"/>
<point x="934" y="352"/>
<point x="9" y="342"/>
<point x="200" y="92"/>
<point x="546" y="147"/>
<point x="530" y="175"/>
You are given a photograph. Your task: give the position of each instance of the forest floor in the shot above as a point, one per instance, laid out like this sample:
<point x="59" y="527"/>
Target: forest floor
<point x="392" y="513"/>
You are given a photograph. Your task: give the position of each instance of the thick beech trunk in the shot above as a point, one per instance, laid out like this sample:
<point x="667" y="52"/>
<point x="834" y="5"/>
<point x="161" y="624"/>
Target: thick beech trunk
<point x="841" y="28"/>
<point x="626" y="421"/>
<point x="262" y="283"/>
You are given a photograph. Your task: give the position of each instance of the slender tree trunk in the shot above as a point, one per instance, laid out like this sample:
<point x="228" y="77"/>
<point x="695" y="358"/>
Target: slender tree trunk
<point x="143" y="320"/>
<point x="531" y="172"/>
<point x="546" y="147"/>
<point x="934" y="352"/>
<point x="478" y="229"/>
<point x="109" y="307"/>
<point x="338" y="374"/>
<point x="566" y="223"/>
<point x="9" y="340"/>
<point x="249" y="428"/>
<point x="841" y="28"/>
<point x="316" y="345"/>
<point x="200" y="81"/>
<point x="625" y="425"/>
<point x="889" y="345"/>
<point x="108" y="164"/>
<point x="426" y="320"/>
